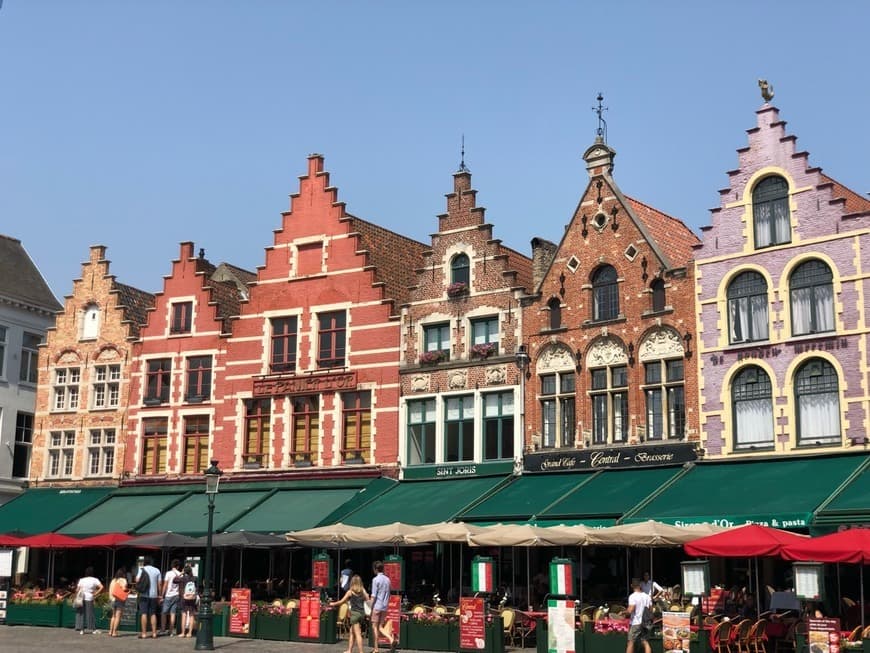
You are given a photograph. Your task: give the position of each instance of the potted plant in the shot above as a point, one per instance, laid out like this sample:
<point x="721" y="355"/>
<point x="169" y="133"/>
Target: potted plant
<point x="271" y="621"/>
<point x="433" y="357"/>
<point x="483" y="350"/>
<point x="427" y="631"/>
<point x="34" y="608"/>
<point x="457" y="289"/>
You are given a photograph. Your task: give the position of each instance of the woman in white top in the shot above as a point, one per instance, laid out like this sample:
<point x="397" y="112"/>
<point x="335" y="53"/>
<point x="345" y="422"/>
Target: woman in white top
<point x="89" y="587"/>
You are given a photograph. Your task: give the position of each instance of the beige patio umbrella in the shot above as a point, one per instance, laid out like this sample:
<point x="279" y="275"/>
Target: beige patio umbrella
<point x="443" y="532"/>
<point x="332" y="536"/>
<point x="529" y="535"/>
<point x="650" y="534"/>
<point x="394" y="533"/>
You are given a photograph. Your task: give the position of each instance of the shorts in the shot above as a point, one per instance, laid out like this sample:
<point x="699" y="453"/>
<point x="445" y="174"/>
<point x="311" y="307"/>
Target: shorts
<point x="117" y="604"/>
<point x="357" y="617"/>
<point x="188" y="605"/>
<point x="638" y="633"/>
<point x="170" y="604"/>
<point x="147" y="606"/>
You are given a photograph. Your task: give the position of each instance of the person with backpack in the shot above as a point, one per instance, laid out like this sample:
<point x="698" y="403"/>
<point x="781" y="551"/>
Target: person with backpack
<point x="640" y="611"/>
<point x="188" y="588"/>
<point x="148" y="586"/>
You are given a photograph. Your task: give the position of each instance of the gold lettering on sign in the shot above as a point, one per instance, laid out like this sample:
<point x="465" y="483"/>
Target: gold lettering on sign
<point x="294" y="385"/>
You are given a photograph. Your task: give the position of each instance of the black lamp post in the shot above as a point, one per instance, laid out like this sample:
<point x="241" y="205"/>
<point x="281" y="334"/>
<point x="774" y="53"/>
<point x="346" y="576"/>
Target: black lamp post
<point x="204" y="632"/>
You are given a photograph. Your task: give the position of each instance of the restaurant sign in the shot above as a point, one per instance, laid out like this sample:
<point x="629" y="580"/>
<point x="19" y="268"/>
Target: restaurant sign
<point x="456" y="470"/>
<point x="570" y="460"/>
<point x="270" y="386"/>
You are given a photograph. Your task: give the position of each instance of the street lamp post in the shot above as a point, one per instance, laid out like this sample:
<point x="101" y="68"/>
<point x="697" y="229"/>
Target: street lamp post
<point x="204" y="632"/>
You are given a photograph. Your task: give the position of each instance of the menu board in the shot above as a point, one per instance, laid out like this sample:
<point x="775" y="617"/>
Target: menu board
<point x="309" y="615"/>
<point x="240" y="611"/>
<point x="393" y="569"/>
<point x="320" y="568"/>
<point x="560" y="628"/>
<point x="715" y="603"/>
<point x="823" y="635"/>
<point x="472" y="619"/>
<point x="130" y="609"/>
<point x="5" y="563"/>
<point x="676" y="632"/>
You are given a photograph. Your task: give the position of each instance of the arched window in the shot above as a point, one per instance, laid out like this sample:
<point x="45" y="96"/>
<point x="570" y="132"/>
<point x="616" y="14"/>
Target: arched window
<point x="752" y="403"/>
<point x="555" y="307"/>
<point x="459" y="269"/>
<point x="770" y="212"/>
<point x="747" y="308"/>
<point x="812" y="298"/>
<point x="90" y="322"/>
<point x="817" y="394"/>
<point x="658" y="295"/>
<point x="605" y="294"/>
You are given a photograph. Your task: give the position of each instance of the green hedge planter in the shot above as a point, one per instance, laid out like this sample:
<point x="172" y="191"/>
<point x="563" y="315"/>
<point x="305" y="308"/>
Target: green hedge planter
<point x="34" y="614"/>
<point x="273" y="627"/>
<point x="427" y="637"/>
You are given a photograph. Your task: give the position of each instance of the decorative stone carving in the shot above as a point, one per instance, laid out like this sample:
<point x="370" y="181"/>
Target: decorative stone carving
<point x="456" y="379"/>
<point x="661" y="343"/>
<point x="555" y="357"/>
<point x="420" y="383"/>
<point x="496" y="375"/>
<point x="607" y="351"/>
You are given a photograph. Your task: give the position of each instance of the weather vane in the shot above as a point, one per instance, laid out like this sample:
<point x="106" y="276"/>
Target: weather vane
<point x="462" y="166"/>
<point x="602" y="123"/>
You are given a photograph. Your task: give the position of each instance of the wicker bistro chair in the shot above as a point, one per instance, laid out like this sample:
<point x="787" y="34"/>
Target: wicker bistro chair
<point x="343" y="620"/>
<point x="866" y="633"/>
<point x="720" y="637"/>
<point x="855" y="635"/>
<point x="758" y="636"/>
<point x="508" y="620"/>
<point x="742" y="636"/>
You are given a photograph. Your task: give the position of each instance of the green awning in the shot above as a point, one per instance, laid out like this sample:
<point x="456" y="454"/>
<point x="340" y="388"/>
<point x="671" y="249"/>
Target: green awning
<point x="423" y="502"/>
<point x="122" y="513"/>
<point x="41" y="510"/>
<point x="190" y="516"/>
<point x="778" y="493"/>
<point x="850" y="504"/>
<point x="591" y="498"/>
<point x="308" y="505"/>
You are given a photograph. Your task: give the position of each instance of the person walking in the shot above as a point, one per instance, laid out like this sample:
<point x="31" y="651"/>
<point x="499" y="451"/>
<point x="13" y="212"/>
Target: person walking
<point x="148" y="586"/>
<point x="87" y="588"/>
<point x="640" y="611"/>
<point x="118" y="591"/>
<point x="356" y="596"/>
<point x="188" y="587"/>
<point x="381" y="598"/>
<point x="169" y="592"/>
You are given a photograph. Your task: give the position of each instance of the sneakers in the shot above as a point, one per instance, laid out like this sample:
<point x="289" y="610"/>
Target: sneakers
<point x="96" y="632"/>
<point x="81" y="632"/>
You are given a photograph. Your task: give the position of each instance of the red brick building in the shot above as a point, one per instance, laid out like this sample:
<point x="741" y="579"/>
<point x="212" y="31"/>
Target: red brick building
<point x="610" y="329"/>
<point x="84" y="390"/>
<point x="461" y="405"/>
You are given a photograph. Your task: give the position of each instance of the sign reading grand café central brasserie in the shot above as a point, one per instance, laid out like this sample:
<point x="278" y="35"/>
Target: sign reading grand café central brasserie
<point x="568" y="460"/>
<point x="270" y="386"/>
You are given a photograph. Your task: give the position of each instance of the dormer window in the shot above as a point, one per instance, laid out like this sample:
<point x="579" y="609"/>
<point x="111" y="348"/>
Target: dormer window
<point x="460" y="270"/>
<point x="770" y="212"/>
<point x="90" y="322"/>
<point x="181" y="317"/>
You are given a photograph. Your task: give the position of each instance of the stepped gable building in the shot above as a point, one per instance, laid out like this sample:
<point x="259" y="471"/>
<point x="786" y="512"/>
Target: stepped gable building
<point x="610" y="328"/>
<point x="461" y="405"/>
<point x="84" y="387"/>
<point x="782" y="273"/>
<point x="27" y="310"/>
<point x="312" y="379"/>
<point x="181" y="353"/>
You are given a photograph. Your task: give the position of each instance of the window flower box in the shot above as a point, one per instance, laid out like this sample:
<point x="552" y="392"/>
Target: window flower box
<point x="457" y="289"/>
<point x="433" y="357"/>
<point x="483" y="350"/>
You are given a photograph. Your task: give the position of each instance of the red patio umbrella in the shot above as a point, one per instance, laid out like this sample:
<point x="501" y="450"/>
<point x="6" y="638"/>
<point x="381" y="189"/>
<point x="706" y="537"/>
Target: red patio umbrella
<point x="50" y="541"/>
<point x="9" y="540"/>
<point x="106" y="539"/>
<point x="744" y="542"/>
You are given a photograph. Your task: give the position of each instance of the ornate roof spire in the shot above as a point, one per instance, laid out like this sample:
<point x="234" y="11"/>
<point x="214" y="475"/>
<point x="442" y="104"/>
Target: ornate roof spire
<point x="601" y="132"/>
<point x="462" y="166"/>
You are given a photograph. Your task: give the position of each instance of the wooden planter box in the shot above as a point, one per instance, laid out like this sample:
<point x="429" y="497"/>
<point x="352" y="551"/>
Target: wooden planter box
<point x="427" y="637"/>
<point x="273" y="627"/>
<point x="34" y="614"/>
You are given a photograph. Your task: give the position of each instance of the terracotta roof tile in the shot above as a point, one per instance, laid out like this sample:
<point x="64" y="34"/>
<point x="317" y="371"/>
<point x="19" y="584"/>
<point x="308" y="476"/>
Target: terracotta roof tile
<point x="855" y="203"/>
<point x="134" y="304"/>
<point x="671" y="234"/>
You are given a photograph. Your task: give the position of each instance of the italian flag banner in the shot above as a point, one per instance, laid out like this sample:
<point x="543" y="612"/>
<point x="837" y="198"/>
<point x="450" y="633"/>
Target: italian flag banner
<point x="562" y="578"/>
<point x="481" y="575"/>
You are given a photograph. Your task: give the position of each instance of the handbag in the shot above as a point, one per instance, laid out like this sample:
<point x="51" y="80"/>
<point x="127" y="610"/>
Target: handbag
<point x="79" y="600"/>
<point x="119" y="592"/>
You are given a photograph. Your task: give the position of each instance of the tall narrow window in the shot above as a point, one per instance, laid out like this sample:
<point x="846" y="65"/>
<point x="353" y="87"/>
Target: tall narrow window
<point x="90" y="322"/>
<point x="752" y="401"/>
<point x="61" y="450"/>
<point x="817" y="393"/>
<point x="610" y="405"/>
<point x="66" y="388"/>
<point x="198" y="379"/>
<point x="106" y="391"/>
<point x="657" y="291"/>
<point x="154" y="445"/>
<point x="356" y="412"/>
<point x="484" y="337"/>
<point x="771" y="213"/>
<point x="306" y="429"/>
<point x="159" y="376"/>
<point x="258" y="432"/>
<point x="557" y="409"/>
<point x="196" y="431"/>
<point x="29" y="372"/>
<point x="811" y="287"/>
<point x="101" y="452"/>
<point x="284" y="334"/>
<point x="182" y="312"/>
<point x="459" y="429"/>
<point x="498" y="425"/>
<point x="555" y="307"/>
<point x="3" y="343"/>
<point x="436" y="340"/>
<point x="332" y="338"/>
<point x="23" y="443"/>
<point x="421" y="432"/>
<point x="460" y="270"/>
<point x="747" y="308"/>
<point x="605" y="294"/>
<point x="665" y="399"/>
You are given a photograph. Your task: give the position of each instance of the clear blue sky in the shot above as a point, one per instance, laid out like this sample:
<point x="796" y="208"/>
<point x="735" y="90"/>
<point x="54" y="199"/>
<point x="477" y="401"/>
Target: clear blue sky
<point x="139" y="124"/>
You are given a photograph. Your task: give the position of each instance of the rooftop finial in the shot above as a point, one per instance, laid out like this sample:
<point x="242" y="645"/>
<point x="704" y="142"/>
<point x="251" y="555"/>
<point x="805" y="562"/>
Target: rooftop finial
<point x="601" y="132"/>
<point x="462" y="166"/>
<point x="766" y="90"/>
